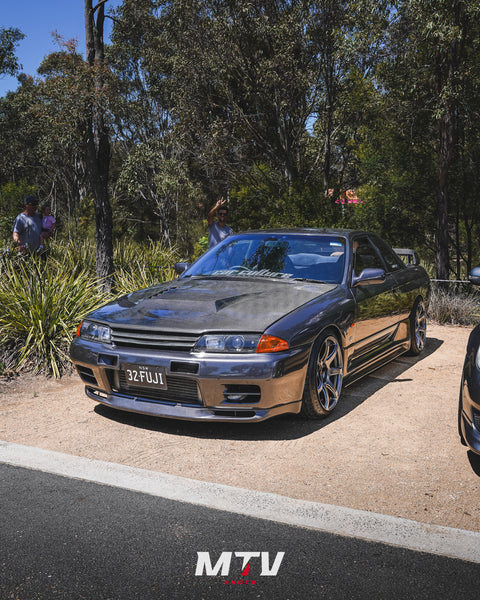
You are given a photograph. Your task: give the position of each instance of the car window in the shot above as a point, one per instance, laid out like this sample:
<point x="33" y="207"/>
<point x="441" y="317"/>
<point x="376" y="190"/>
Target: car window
<point x="291" y="256"/>
<point x="392" y="260"/>
<point x="365" y="256"/>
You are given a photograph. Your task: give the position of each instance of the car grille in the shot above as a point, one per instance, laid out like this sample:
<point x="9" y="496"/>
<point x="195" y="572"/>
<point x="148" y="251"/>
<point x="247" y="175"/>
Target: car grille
<point x="183" y="342"/>
<point x="180" y="390"/>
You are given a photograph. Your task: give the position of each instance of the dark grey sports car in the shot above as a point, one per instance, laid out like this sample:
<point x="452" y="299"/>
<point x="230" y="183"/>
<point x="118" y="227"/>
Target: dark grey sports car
<point x="265" y="323"/>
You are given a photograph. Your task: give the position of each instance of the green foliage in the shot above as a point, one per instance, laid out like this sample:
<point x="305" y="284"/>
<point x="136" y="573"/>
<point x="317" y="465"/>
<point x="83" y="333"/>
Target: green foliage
<point x="200" y="247"/>
<point x="11" y="204"/>
<point x="142" y="265"/>
<point x="271" y="103"/>
<point x="9" y="40"/>
<point x="42" y="306"/>
<point x="44" y="300"/>
<point x="19" y="134"/>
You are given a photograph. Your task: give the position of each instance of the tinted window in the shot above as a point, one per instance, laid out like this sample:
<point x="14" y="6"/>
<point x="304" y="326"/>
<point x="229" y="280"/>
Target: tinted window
<point x="365" y="256"/>
<point x="393" y="262"/>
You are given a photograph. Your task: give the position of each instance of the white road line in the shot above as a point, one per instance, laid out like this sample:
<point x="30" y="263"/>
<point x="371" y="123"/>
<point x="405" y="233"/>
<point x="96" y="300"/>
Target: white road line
<point x="434" y="539"/>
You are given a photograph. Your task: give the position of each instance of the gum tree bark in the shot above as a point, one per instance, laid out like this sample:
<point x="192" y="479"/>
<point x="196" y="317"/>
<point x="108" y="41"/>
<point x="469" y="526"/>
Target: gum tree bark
<point x="98" y="143"/>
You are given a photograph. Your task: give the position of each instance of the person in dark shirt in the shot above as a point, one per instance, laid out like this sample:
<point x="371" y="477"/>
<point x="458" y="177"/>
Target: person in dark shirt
<point x="27" y="227"/>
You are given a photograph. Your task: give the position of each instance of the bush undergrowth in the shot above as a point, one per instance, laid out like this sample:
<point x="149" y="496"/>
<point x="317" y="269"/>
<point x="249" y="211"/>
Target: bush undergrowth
<point x="42" y="305"/>
<point x="43" y="300"/>
<point x="450" y="308"/>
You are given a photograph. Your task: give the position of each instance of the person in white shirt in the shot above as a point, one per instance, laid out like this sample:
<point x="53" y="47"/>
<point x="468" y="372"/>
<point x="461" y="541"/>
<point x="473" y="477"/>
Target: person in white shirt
<point x="218" y="230"/>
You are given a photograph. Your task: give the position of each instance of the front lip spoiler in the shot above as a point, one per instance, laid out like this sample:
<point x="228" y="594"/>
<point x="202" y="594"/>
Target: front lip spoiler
<point x="189" y="412"/>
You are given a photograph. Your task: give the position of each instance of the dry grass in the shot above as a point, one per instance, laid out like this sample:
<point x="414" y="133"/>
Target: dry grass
<point x="452" y="308"/>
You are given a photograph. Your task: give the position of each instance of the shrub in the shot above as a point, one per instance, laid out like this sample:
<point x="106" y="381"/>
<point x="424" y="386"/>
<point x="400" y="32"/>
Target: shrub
<point x="454" y="308"/>
<point x="44" y="300"/>
<point x="139" y="266"/>
<point x="42" y="304"/>
<point x="140" y="276"/>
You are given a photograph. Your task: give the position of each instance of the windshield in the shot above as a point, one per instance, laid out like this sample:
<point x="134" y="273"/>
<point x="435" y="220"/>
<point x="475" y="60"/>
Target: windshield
<point x="290" y="256"/>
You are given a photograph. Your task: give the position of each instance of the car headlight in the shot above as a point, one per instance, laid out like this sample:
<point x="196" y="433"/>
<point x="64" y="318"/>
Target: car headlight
<point x="239" y="343"/>
<point x="477" y="359"/>
<point x="88" y="330"/>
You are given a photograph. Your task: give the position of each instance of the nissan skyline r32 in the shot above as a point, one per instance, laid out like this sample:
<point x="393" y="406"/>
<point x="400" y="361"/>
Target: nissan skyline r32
<point x="266" y="323"/>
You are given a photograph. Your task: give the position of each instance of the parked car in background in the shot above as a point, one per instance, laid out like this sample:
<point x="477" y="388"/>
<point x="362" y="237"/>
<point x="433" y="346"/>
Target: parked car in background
<point x="266" y="323"/>
<point x="409" y="256"/>
<point x="469" y="401"/>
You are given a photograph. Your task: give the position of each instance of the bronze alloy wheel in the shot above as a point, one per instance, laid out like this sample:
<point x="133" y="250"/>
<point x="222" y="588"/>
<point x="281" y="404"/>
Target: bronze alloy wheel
<point x="324" y="377"/>
<point x="418" y="327"/>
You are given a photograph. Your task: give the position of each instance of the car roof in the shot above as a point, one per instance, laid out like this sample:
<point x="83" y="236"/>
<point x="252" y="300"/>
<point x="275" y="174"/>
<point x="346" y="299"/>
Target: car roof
<point x="306" y="230"/>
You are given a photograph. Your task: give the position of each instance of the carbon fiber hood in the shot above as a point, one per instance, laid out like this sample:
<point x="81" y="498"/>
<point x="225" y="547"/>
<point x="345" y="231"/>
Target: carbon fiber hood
<point x="196" y="305"/>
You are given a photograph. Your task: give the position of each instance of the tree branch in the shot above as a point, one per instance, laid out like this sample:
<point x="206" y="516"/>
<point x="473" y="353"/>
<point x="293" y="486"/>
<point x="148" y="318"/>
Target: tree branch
<point x="100" y="3"/>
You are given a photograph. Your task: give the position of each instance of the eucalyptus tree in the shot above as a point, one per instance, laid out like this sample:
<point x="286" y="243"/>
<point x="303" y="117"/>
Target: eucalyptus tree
<point x="431" y="61"/>
<point x="97" y="139"/>
<point x="19" y="134"/>
<point x="154" y="188"/>
<point x="39" y="139"/>
<point x="72" y="105"/>
<point x="62" y="108"/>
<point x="9" y="40"/>
<point x="240" y="78"/>
<point x="265" y="94"/>
<point x="349" y="38"/>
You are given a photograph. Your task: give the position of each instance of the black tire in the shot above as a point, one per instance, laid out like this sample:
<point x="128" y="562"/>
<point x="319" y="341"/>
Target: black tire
<point x="323" y="384"/>
<point x="418" y="328"/>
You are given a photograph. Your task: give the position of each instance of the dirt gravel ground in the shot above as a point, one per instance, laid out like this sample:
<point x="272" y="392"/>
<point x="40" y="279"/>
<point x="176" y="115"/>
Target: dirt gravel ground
<point x="391" y="447"/>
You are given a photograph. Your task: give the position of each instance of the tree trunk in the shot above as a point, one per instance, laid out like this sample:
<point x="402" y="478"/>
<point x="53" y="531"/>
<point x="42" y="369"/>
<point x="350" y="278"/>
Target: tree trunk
<point x="98" y="144"/>
<point x="444" y="159"/>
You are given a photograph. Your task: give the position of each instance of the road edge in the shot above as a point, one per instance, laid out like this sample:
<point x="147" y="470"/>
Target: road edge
<point x="375" y="527"/>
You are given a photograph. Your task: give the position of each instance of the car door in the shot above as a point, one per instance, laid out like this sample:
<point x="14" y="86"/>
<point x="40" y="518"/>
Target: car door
<point x="406" y="289"/>
<point x="376" y="315"/>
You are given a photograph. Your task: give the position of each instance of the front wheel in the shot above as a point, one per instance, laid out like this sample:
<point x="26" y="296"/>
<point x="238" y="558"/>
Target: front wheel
<point x="324" y="380"/>
<point x="418" y="328"/>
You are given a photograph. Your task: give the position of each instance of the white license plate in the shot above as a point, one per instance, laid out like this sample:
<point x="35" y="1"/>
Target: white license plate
<point x="145" y="376"/>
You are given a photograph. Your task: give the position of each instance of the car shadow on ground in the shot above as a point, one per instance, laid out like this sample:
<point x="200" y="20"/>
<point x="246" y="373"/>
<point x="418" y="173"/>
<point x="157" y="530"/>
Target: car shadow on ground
<point x="278" y="428"/>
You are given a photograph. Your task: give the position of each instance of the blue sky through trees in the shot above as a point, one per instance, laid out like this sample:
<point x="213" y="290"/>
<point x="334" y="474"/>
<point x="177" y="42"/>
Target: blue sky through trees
<point x="38" y="19"/>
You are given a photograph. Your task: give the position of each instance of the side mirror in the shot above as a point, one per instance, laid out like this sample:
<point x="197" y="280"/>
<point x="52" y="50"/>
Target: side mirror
<point x="369" y="277"/>
<point x="181" y="267"/>
<point x="474" y="276"/>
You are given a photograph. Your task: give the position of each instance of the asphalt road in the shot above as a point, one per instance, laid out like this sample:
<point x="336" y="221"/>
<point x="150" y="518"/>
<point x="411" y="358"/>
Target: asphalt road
<point x="71" y="539"/>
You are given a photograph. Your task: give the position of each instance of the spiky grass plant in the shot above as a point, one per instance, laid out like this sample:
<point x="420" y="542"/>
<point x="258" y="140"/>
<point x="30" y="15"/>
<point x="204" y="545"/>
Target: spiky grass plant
<point x="74" y="255"/>
<point x="142" y="265"/>
<point x="141" y="276"/>
<point x="42" y="303"/>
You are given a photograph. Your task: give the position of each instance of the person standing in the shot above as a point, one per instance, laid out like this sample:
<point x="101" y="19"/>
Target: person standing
<point x="27" y="227"/>
<point x="218" y="230"/>
<point x="48" y="224"/>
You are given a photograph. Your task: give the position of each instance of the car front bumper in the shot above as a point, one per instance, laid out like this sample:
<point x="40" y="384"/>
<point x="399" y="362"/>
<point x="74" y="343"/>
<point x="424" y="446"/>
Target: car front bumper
<point x="200" y="387"/>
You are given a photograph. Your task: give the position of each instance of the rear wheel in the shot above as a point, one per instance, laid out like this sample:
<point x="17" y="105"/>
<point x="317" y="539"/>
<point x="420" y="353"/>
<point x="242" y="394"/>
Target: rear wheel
<point x="324" y="379"/>
<point x="418" y="328"/>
